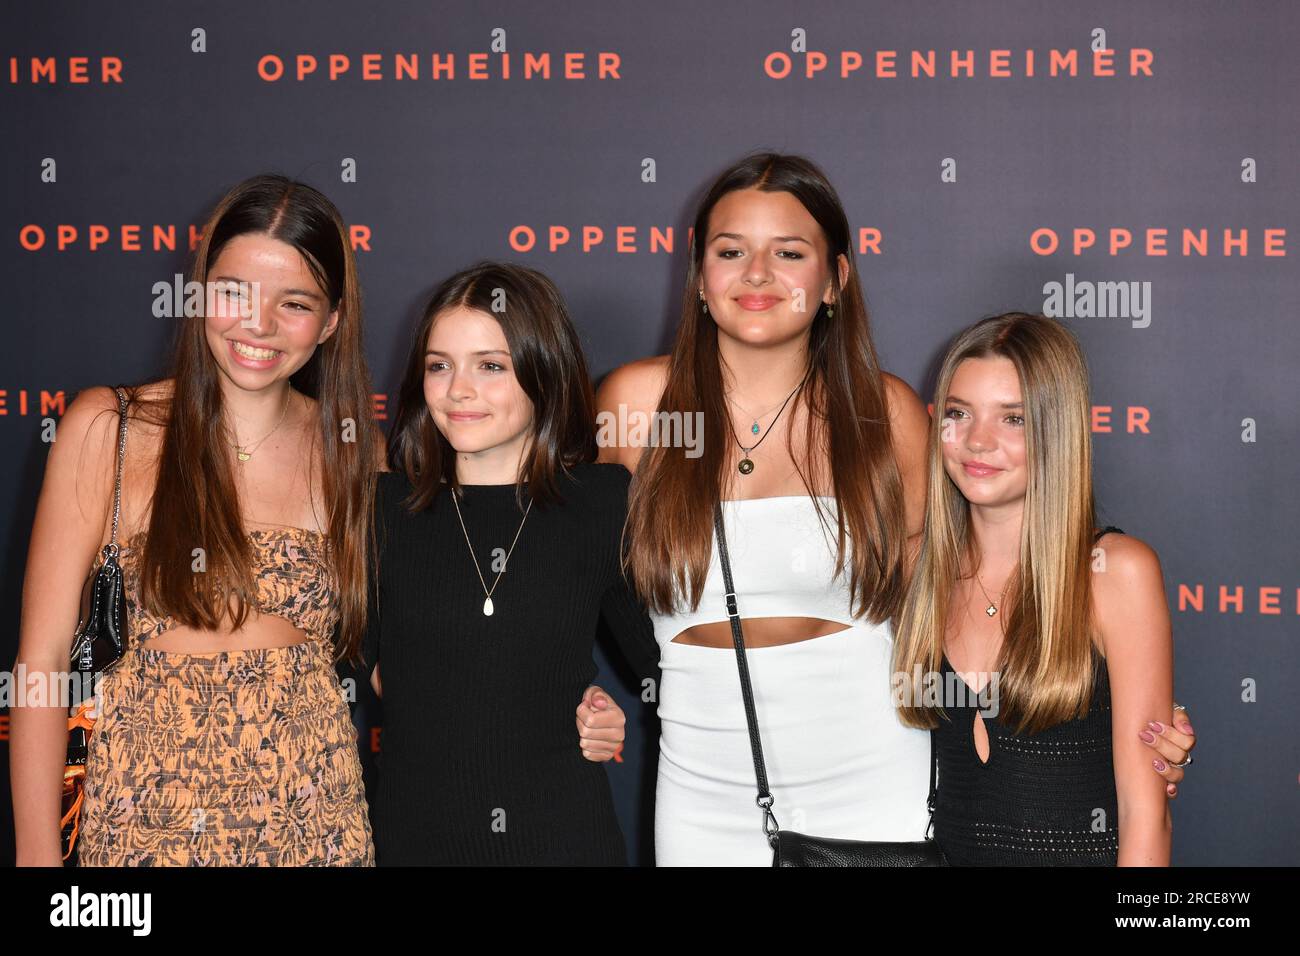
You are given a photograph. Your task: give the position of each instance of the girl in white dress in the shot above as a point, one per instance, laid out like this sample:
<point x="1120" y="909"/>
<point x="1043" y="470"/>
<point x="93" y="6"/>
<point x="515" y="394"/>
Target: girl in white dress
<point x="775" y="359"/>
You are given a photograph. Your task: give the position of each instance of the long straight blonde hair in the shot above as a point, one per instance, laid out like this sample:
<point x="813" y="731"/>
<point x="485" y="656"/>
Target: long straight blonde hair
<point x="1046" y="664"/>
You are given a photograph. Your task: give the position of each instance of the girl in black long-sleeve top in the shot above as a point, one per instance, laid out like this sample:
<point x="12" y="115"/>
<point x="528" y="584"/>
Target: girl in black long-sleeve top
<point x="499" y="548"/>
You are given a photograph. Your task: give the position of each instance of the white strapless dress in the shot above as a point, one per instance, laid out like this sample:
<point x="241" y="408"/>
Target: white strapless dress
<point x="839" y="763"/>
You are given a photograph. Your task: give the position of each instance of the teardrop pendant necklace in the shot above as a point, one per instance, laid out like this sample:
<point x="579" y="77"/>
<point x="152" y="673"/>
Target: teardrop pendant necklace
<point x="756" y="418"/>
<point x="746" y="464"/>
<point x="488" y="607"/>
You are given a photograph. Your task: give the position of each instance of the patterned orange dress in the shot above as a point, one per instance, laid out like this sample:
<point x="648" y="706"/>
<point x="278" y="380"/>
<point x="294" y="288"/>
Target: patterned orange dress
<point x="240" y="758"/>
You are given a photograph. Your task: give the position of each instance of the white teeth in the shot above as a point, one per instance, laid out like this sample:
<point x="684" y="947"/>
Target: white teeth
<point x="261" y="355"/>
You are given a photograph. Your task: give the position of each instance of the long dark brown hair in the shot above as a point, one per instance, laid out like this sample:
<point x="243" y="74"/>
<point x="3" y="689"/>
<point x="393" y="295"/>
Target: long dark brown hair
<point x="670" y="510"/>
<point x="195" y="500"/>
<point x="548" y="362"/>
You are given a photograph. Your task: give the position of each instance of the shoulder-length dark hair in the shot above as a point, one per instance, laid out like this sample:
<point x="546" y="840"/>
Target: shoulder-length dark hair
<point x="670" y="510"/>
<point x="549" y="366"/>
<point x="195" y="500"/>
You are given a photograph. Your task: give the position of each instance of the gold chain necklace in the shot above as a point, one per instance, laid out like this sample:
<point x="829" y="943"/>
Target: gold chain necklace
<point x="992" y="608"/>
<point x="245" y="452"/>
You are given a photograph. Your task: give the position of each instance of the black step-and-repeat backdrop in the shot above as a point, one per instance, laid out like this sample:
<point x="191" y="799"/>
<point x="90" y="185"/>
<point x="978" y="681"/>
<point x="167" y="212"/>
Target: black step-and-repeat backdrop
<point x="1130" y="167"/>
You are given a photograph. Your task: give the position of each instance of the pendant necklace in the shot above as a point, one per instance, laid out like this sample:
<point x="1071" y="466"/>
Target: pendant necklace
<point x="754" y="427"/>
<point x="992" y="608"/>
<point x="746" y="465"/>
<point x="245" y="452"/>
<point x="488" y="607"/>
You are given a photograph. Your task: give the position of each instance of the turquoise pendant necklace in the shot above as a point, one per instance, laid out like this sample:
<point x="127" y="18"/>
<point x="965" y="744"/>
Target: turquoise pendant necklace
<point x="746" y="464"/>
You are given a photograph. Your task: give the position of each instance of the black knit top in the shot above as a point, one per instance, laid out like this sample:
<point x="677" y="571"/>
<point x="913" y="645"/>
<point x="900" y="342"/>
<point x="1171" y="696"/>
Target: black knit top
<point x="1045" y="799"/>
<point x="480" y="760"/>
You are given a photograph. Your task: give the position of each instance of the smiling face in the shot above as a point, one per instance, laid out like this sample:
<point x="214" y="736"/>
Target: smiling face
<point x="267" y="343"/>
<point x="983" y="432"/>
<point x="765" y="268"/>
<point x="472" y="393"/>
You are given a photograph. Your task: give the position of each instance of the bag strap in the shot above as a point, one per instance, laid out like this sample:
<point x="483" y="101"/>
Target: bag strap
<point x="111" y="549"/>
<point x="765" y="800"/>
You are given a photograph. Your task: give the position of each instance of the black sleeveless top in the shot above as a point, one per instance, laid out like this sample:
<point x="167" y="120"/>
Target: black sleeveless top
<point x="1045" y="799"/>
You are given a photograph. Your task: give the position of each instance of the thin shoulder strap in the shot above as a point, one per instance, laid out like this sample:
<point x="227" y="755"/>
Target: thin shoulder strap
<point x="1105" y="531"/>
<point x="765" y="800"/>
<point x="121" y="458"/>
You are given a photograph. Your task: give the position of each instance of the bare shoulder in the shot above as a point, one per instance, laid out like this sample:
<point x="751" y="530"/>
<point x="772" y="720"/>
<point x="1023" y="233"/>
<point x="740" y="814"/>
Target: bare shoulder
<point x="157" y="391"/>
<point x="1126" y="562"/>
<point x="909" y="422"/>
<point x="1130" y="606"/>
<point x="149" y="409"/>
<point x="83" y="454"/>
<point x="1128" y="590"/>
<point x="905" y="406"/>
<point x="909" y="431"/>
<point x="637" y="385"/>
<point x="633" y="389"/>
<point x="93" y="416"/>
<point x="90" y="420"/>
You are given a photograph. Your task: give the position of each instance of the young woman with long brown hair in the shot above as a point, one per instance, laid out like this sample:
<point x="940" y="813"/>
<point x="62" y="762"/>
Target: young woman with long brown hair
<point x="818" y="459"/>
<point x="223" y="736"/>
<point x="1044" y="640"/>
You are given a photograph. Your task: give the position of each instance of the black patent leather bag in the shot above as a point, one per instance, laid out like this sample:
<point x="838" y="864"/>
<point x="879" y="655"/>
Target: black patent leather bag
<point x="98" y="643"/>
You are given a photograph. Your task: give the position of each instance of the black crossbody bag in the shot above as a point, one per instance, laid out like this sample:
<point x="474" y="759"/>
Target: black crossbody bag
<point x="799" y="849"/>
